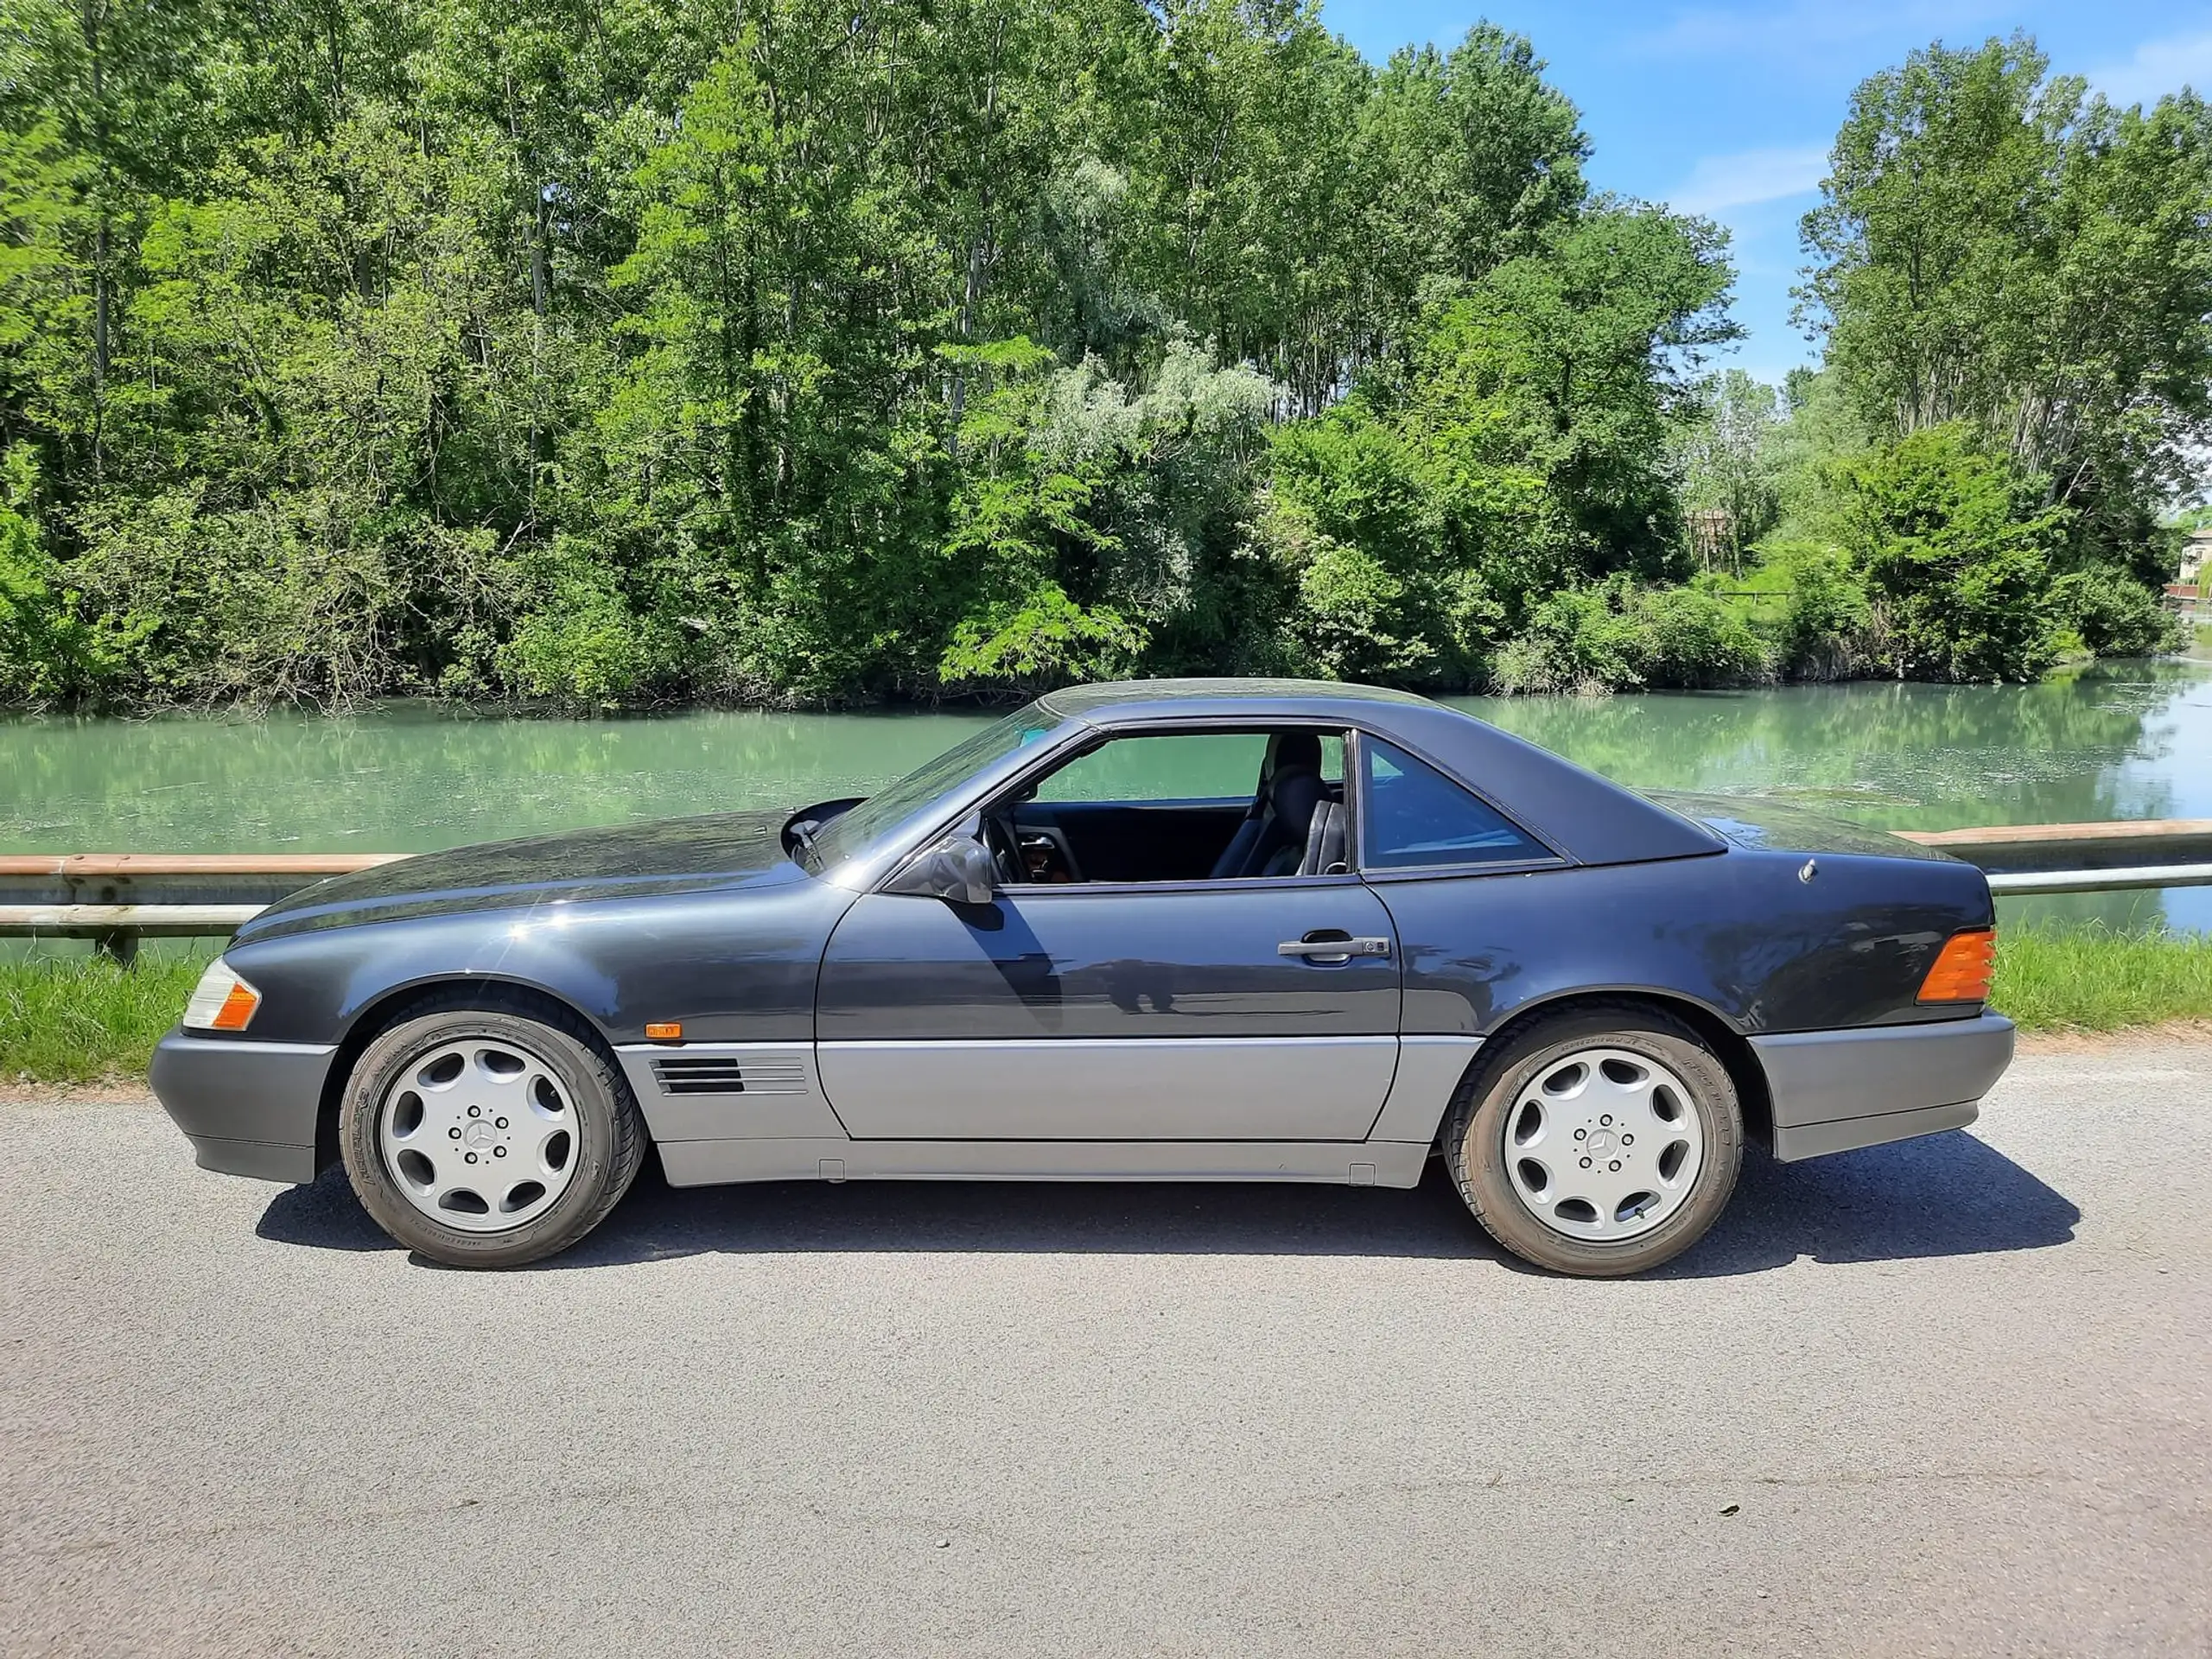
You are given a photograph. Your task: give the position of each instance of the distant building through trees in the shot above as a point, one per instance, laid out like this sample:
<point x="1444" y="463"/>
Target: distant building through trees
<point x="2186" y="591"/>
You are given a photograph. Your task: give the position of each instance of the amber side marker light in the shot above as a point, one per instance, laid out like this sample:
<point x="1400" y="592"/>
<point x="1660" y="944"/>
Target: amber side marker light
<point x="665" y="1031"/>
<point x="1961" y="970"/>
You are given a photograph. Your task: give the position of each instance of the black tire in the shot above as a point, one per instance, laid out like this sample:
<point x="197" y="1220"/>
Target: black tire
<point x="609" y="1140"/>
<point x="1475" y="1130"/>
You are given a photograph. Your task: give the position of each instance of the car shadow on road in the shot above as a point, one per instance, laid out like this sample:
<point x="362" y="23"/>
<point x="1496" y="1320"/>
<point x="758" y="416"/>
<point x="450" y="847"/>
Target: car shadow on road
<point x="1946" y="1195"/>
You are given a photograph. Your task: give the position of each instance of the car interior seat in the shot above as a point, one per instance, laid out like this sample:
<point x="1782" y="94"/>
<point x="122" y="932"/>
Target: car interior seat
<point x="1325" y="841"/>
<point x="1281" y="813"/>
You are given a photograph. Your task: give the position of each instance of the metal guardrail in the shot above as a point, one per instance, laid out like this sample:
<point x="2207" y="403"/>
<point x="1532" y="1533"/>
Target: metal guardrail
<point x="2150" y="875"/>
<point x="117" y="899"/>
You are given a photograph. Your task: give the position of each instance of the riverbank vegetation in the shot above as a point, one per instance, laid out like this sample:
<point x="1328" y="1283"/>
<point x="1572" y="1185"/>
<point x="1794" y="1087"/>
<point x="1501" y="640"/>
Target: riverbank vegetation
<point x="764" y="350"/>
<point x="2093" y="978"/>
<point x="85" y="1019"/>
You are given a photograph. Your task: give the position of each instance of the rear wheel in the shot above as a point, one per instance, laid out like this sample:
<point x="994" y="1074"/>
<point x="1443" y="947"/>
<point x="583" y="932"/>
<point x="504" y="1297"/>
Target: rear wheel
<point x="1602" y="1141"/>
<point x="487" y="1138"/>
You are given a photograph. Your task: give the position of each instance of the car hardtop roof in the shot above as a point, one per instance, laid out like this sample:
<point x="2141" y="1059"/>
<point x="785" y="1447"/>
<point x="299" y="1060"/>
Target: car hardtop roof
<point x="1591" y="819"/>
<point x="1236" y="699"/>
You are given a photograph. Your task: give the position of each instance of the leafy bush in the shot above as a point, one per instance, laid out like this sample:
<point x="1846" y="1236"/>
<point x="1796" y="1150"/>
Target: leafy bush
<point x="1956" y="551"/>
<point x="1171" y="468"/>
<point x="1347" y="613"/>
<point x="1352" y="621"/>
<point x="2113" y="614"/>
<point x="1822" y="632"/>
<point x="45" y="653"/>
<point x="1615" y="635"/>
<point x="585" y="644"/>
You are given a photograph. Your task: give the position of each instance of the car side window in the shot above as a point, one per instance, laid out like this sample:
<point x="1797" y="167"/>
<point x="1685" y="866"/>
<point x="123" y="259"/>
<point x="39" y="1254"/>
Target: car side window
<point x="1173" y="767"/>
<point x="1416" y="817"/>
<point x="1194" y="767"/>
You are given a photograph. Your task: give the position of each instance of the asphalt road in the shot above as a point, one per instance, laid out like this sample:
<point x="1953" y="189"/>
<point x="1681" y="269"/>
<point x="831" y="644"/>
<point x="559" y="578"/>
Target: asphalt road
<point x="1953" y="1396"/>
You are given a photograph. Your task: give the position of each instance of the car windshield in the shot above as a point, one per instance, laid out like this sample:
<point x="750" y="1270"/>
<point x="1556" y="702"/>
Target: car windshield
<point x="855" y="832"/>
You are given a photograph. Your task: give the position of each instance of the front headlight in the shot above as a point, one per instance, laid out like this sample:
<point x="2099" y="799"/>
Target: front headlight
<point x="221" y="1001"/>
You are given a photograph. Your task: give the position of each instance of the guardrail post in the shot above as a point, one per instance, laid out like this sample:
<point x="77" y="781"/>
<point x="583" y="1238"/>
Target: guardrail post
<point x="119" y="944"/>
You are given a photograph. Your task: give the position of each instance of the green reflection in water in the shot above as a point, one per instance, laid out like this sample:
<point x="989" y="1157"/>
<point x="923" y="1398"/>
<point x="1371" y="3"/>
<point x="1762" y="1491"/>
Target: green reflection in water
<point x="2123" y="740"/>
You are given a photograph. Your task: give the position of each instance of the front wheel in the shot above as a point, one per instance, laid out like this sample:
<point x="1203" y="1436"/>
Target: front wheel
<point x="1600" y="1142"/>
<point x="486" y="1139"/>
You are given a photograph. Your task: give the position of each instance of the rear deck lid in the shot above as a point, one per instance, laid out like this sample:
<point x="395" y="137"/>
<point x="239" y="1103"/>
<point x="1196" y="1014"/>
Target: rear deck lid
<point x="1761" y="823"/>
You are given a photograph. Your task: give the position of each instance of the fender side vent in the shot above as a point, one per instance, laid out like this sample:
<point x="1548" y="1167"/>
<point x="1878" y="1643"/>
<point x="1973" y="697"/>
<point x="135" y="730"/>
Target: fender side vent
<point x="728" y="1074"/>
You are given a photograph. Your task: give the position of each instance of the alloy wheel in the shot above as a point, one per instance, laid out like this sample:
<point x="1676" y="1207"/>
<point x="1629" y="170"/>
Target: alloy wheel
<point x="1602" y="1144"/>
<point x="478" y="1135"/>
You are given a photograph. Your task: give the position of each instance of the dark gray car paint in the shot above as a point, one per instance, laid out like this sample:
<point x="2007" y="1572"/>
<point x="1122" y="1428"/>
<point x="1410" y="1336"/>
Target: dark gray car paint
<point x="709" y="922"/>
<point x="671" y="858"/>
<point x="1741" y="936"/>
<point x="1201" y="959"/>
<point x="1108" y="975"/>
<point x="641" y="926"/>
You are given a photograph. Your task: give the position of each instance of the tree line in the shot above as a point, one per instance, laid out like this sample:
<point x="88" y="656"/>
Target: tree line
<point x="638" y="350"/>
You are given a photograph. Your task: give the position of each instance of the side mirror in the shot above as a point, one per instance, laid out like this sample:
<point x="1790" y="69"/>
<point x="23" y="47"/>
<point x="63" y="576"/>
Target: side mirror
<point x="959" y="869"/>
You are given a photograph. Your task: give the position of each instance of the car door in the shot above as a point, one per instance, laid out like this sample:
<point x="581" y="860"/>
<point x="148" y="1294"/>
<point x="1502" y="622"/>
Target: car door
<point x="1172" y="1010"/>
<point x="1106" y="1012"/>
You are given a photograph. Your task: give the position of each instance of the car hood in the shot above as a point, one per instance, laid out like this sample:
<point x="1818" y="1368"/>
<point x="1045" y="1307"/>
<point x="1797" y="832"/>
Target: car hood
<point x="1759" y="824"/>
<point x="669" y="856"/>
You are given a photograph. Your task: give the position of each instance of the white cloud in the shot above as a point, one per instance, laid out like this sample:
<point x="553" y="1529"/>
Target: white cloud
<point x="1720" y="182"/>
<point x="2159" y="67"/>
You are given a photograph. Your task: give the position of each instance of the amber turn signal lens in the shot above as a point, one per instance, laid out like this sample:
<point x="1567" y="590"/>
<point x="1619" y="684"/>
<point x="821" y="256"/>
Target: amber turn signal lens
<point x="221" y="1001"/>
<point x="1961" y="970"/>
<point x="237" y="1010"/>
<point x="665" y="1031"/>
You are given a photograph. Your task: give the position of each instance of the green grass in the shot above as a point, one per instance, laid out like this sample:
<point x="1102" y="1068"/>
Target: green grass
<point x="2090" y="978"/>
<point x="78" y="1020"/>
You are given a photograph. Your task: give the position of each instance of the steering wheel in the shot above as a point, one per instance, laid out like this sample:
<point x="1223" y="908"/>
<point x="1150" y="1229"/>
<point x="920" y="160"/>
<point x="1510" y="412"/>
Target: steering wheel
<point x="1006" y="855"/>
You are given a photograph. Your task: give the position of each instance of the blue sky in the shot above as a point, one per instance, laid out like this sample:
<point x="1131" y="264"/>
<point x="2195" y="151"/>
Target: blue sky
<point x="1728" y="109"/>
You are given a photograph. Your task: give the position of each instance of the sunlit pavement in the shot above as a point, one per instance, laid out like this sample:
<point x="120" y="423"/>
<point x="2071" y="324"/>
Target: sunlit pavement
<point x="1950" y="1397"/>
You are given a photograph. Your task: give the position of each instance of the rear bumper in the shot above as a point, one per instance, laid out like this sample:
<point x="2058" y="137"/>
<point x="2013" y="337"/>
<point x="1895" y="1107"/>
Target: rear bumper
<point x="1833" y="1091"/>
<point x="248" y="1109"/>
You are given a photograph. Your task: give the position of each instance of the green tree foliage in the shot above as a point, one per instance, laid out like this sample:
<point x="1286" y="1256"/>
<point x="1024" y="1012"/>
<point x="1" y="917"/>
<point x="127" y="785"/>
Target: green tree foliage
<point x="2015" y="282"/>
<point x="1998" y="248"/>
<point x="1729" y="465"/>
<point x="44" y="654"/>
<point x="1521" y="447"/>
<point x="1616" y="634"/>
<point x="763" y="349"/>
<point x="771" y="349"/>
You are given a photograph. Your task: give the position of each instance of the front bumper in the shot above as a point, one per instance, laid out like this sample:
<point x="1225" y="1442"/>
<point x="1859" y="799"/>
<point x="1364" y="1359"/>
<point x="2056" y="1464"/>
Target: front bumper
<point x="248" y="1109"/>
<point x="1833" y="1091"/>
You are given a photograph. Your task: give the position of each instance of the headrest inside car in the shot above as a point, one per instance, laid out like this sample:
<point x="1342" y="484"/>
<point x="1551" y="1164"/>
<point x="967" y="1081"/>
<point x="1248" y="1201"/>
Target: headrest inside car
<point x="1295" y="749"/>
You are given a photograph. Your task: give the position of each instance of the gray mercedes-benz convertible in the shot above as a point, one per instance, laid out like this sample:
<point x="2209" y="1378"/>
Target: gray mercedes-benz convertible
<point x="1167" y="931"/>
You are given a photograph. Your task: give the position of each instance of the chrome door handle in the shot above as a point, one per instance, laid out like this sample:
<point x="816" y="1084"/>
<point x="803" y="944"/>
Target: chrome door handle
<point x="1333" y="950"/>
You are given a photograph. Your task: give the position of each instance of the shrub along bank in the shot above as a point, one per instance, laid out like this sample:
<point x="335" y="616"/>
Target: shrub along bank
<point x="82" y="1020"/>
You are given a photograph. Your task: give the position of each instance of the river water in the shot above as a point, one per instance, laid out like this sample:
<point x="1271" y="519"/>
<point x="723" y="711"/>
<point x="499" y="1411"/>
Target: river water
<point x="2120" y="740"/>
